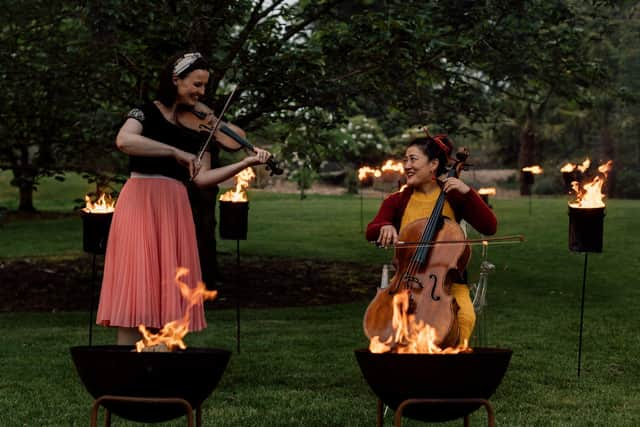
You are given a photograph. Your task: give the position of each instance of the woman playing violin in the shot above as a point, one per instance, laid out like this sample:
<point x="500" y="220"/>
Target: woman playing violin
<point x="425" y="161"/>
<point x="152" y="232"/>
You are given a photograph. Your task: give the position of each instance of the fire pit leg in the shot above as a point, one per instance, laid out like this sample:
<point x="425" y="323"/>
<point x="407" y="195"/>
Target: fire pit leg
<point x="155" y="400"/>
<point x="379" y="413"/>
<point x="490" y="417"/>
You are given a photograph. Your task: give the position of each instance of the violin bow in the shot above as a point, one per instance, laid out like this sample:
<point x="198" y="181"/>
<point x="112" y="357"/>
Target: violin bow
<point x="215" y="127"/>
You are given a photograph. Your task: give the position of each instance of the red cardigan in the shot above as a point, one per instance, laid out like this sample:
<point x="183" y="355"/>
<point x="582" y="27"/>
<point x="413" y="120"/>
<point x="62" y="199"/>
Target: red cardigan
<point x="469" y="207"/>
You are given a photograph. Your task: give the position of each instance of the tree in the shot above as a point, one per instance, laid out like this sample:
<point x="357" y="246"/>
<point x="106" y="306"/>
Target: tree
<point x="402" y="63"/>
<point x="39" y="105"/>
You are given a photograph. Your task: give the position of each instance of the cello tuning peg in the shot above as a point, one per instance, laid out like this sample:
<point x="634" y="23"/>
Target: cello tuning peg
<point x="462" y="154"/>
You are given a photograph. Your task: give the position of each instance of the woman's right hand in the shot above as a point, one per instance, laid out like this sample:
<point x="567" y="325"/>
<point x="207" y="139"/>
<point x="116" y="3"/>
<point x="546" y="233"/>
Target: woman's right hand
<point x="188" y="160"/>
<point x="388" y="236"/>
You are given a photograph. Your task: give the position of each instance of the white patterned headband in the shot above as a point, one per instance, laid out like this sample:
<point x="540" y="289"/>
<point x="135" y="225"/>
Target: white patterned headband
<point x="185" y="62"/>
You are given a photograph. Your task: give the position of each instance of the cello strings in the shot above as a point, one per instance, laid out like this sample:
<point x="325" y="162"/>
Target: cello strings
<point x="419" y="257"/>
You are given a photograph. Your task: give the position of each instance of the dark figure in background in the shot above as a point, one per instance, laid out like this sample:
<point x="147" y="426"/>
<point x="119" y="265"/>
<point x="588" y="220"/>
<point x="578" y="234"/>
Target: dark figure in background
<point x="203" y="205"/>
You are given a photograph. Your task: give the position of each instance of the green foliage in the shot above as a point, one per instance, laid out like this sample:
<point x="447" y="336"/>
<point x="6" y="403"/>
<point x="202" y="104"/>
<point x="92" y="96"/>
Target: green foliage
<point x="38" y="109"/>
<point x="628" y="180"/>
<point x="303" y="176"/>
<point x="454" y="64"/>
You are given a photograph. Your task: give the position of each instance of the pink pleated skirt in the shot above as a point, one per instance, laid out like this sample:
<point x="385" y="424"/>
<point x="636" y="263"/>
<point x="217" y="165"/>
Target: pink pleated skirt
<point x="152" y="234"/>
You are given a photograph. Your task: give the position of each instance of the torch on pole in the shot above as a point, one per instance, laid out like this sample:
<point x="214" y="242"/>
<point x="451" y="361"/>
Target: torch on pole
<point x="366" y="175"/>
<point x="234" y="218"/>
<point x="361" y="212"/>
<point x="586" y="225"/>
<point x="585" y="235"/>
<point x="528" y="178"/>
<point x="234" y="223"/>
<point x="96" y="223"/>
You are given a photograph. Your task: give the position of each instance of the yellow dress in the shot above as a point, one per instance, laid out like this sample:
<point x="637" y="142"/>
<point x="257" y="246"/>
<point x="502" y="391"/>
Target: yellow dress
<point x="420" y="206"/>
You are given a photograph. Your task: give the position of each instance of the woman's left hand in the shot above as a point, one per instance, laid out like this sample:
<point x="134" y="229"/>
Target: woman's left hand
<point x="260" y="156"/>
<point x="454" y="184"/>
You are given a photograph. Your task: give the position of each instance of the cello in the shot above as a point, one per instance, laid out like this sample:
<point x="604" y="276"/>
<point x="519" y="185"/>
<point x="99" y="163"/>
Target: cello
<point x="426" y="272"/>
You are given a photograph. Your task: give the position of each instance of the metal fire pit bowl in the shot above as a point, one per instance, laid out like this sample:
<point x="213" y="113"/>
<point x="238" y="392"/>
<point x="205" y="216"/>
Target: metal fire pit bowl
<point x="190" y="374"/>
<point x="395" y="378"/>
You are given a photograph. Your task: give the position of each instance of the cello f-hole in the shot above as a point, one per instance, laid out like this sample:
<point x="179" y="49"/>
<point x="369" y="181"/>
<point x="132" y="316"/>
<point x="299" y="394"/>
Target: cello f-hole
<point x="433" y="288"/>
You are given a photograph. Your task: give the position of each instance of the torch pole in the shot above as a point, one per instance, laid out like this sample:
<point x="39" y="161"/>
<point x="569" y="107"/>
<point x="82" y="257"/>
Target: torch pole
<point x="94" y="278"/>
<point x="238" y="297"/>
<point x="584" y="285"/>
<point x="361" y="212"/>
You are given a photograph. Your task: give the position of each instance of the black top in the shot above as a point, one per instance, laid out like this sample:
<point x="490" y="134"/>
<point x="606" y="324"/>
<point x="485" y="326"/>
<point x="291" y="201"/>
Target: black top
<point x="155" y="126"/>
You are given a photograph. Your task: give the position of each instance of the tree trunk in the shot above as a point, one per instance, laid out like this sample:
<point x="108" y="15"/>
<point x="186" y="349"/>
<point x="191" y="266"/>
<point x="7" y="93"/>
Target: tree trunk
<point x="608" y="153"/>
<point x="527" y="154"/>
<point x="25" y="183"/>
<point x="26" y="199"/>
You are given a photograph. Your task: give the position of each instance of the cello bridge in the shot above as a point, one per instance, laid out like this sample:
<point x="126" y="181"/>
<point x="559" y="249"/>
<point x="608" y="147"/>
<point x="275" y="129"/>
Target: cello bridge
<point x="412" y="283"/>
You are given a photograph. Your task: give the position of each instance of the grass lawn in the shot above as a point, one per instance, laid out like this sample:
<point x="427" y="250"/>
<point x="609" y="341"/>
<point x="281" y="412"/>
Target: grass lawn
<point x="297" y="365"/>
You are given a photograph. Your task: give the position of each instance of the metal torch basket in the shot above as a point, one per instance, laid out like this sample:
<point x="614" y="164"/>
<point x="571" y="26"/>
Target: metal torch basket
<point x="586" y="229"/>
<point x="95" y="231"/>
<point x="234" y="220"/>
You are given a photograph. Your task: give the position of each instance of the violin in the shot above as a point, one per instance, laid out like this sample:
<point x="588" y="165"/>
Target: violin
<point x="230" y="137"/>
<point x="426" y="271"/>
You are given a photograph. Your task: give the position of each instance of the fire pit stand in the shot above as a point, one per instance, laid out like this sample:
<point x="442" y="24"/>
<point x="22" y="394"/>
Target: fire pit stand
<point x="106" y="400"/>
<point x="397" y="419"/>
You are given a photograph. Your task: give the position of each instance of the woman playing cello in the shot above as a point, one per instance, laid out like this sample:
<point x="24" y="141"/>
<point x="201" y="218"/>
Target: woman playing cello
<point x="425" y="161"/>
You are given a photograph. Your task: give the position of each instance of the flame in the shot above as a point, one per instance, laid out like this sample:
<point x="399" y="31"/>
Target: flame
<point x="242" y="183"/>
<point x="391" y="166"/>
<point x="104" y="204"/>
<point x="536" y="170"/>
<point x="410" y="336"/>
<point x="589" y="195"/>
<point x="489" y="191"/>
<point x="367" y="171"/>
<point x="585" y="165"/>
<point x="172" y="333"/>
<point x="570" y="167"/>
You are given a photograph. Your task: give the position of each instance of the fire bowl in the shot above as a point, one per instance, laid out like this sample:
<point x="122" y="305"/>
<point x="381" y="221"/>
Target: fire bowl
<point x="395" y="378"/>
<point x="190" y="374"/>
